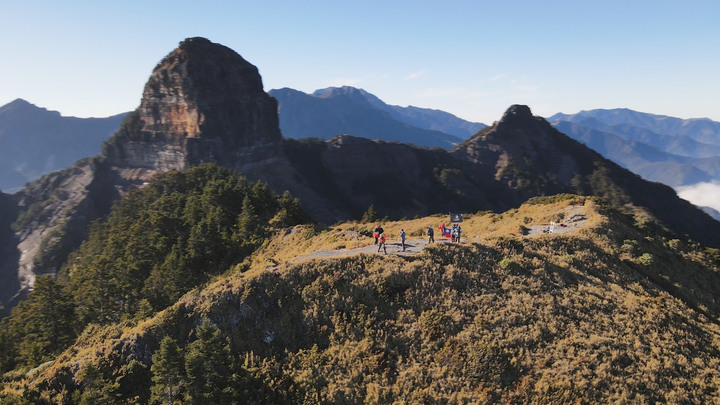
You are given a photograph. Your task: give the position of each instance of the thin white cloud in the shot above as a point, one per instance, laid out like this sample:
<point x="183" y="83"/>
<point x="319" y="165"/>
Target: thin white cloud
<point x="702" y="194"/>
<point x="415" y="75"/>
<point x="498" y="77"/>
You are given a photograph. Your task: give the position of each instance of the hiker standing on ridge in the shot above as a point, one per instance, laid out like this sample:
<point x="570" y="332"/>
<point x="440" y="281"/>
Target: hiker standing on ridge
<point x="382" y="243"/>
<point x="431" y="235"/>
<point x="402" y="239"/>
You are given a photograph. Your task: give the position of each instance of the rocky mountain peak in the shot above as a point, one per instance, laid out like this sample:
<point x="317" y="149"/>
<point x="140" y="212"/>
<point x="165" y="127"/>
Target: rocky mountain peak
<point x="348" y="94"/>
<point x="519" y="130"/>
<point x="516" y="115"/>
<point x="330" y="92"/>
<point x="202" y="103"/>
<point x="20" y="109"/>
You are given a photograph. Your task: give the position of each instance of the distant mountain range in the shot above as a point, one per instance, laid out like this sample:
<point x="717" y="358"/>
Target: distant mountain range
<point x="349" y="111"/>
<point x="35" y="141"/>
<point x="669" y="150"/>
<point x="673" y="151"/>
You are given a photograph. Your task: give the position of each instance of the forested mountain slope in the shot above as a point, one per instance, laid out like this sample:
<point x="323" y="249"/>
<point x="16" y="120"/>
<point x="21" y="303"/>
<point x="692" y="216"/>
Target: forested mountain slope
<point x="616" y="311"/>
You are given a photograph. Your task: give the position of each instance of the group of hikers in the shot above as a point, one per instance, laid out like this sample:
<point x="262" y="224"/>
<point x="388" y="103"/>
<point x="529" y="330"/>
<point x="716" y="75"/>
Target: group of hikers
<point x="453" y="233"/>
<point x="381" y="239"/>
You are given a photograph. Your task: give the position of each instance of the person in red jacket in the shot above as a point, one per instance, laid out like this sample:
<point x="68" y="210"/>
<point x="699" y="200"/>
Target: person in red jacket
<point x="382" y="243"/>
<point x="376" y="233"/>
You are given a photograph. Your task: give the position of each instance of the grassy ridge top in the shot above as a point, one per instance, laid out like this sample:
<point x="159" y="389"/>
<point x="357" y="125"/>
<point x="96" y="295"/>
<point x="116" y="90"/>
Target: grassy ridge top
<point x="613" y="311"/>
<point x="571" y="213"/>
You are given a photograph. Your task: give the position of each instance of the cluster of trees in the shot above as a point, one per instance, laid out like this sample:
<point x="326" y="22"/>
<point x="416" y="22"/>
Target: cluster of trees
<point x="158" y="243"/>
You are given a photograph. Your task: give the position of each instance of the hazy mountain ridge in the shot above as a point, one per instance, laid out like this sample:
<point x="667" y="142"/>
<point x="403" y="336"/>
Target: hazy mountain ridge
<point x="419" y="117"/>
<point x="326" y="114"/>
<point x="684" y="162"/>
<point x="700" y="129"/>
<point x="682" y="153"/>
<point x="678" y="144"/>
<point x="36" y="141"/>
<point x="650" y="162"/>
<point x="669" y="150"/>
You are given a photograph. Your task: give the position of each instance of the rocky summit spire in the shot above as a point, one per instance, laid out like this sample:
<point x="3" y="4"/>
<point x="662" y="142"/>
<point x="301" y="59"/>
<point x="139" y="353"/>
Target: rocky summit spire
<point x="516" y="115"/>
<point x="517" y="111"/>
<point x="202" y="103"/>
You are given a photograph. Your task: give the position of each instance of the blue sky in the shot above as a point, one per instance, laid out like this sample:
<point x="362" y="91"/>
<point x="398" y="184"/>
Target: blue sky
<point x="470" y="58"/>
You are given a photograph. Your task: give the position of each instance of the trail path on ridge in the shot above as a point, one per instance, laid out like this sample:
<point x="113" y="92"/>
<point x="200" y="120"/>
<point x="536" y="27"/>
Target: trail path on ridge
<point x="412" y="247"/>
<point x="575" y="215"/>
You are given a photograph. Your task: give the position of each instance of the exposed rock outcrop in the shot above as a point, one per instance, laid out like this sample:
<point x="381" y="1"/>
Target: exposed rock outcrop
<point x="203" y="103"/>
<point x="9" y="255"/>
<point x="50" y="218"/>
<point x="527" y="154"/>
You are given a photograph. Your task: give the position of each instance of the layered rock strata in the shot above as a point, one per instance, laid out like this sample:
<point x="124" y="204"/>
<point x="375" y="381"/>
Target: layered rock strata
<point x="202" y="103"/>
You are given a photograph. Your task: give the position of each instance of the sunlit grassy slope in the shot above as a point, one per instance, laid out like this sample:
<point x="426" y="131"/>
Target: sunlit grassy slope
<point x="613" y="311"/>
<point x="575" y="213"/>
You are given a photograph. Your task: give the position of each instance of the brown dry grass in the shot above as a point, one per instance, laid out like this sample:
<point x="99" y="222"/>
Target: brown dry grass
<point x="347" y="238"/>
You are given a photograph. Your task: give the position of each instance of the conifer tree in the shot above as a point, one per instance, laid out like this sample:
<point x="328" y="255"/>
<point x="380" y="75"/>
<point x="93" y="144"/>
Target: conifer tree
<point x="208" y="367"/>
<point x="168" y="370"/>
<point x="370" y="215"/>
<point x="249" y="225"/>
<point x="44" y="324"/>
<point x="289" y="213"/>
<point x="95" y="389"/>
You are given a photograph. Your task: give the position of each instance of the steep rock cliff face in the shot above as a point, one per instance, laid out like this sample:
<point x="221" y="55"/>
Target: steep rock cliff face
<point x="55" y="213"/>
<point x="203" y="103"/>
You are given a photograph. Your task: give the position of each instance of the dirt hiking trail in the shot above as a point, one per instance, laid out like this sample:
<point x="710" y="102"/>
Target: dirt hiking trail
<point x="575" y="219"/>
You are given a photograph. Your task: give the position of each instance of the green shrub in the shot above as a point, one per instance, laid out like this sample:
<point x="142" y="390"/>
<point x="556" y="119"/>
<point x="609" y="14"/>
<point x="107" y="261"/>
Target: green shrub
<point x="646" y="259"/>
